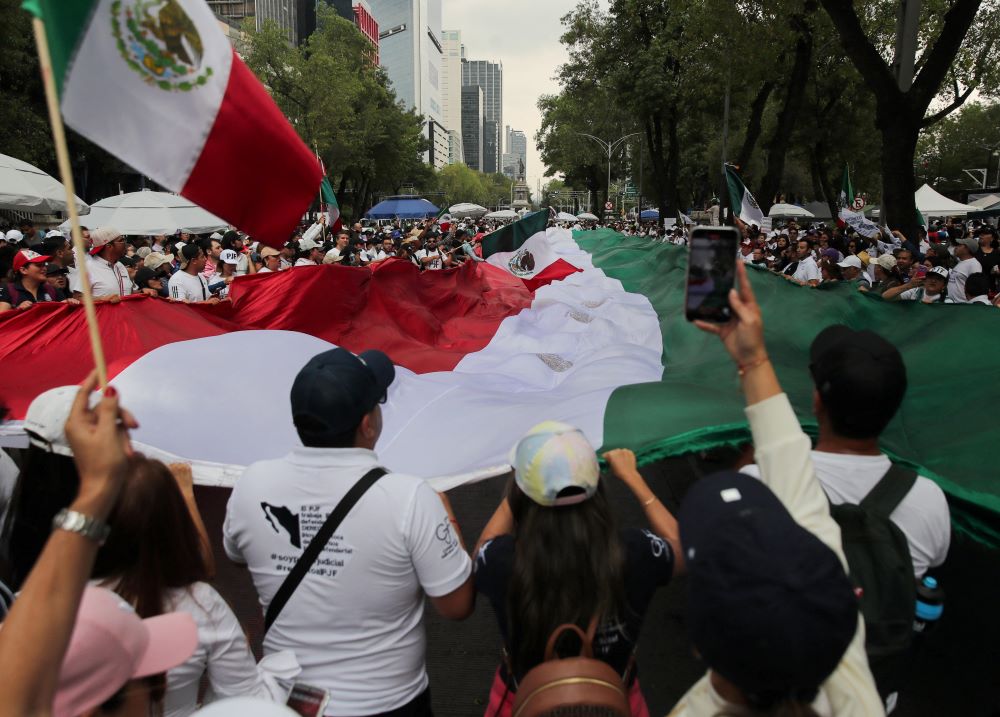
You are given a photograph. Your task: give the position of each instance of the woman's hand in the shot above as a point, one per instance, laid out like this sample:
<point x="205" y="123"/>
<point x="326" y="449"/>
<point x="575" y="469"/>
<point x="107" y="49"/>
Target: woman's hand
<point x="100" y="443"/>
<point x="622" y="463"/>
<point x="184" y="477"/>
<point x="743" y="335"/>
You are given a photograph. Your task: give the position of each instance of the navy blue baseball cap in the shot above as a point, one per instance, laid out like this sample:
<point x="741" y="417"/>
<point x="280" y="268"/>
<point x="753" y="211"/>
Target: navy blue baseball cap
<point x="770" y="607"/>
<point x="336" y="389"/>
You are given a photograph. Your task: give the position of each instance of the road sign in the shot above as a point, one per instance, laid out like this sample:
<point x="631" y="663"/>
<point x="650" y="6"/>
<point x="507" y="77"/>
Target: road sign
<point x="858" y="203"/>
<point x="609" y="206"/>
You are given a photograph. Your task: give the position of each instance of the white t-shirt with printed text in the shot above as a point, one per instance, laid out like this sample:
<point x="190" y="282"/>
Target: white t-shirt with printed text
<point x="355" y="622"/>
<point x="185" y="287"/>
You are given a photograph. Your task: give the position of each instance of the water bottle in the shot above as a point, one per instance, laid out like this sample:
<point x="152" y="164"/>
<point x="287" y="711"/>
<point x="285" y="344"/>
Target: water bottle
<point x="930" y="605"/>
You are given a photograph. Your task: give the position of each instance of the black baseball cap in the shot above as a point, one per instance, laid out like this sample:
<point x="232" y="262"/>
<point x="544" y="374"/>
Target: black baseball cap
<point x="334" y="391"/>
<point x="770" y="607"/>
<point x="859" y="372"/>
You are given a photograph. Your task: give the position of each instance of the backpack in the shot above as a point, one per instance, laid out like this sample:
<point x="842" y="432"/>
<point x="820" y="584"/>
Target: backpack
<point x="880" y="566"/>
<point x="578" y="686"/>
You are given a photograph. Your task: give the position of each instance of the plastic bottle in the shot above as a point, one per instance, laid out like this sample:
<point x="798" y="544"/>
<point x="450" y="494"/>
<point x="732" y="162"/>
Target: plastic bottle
<point x="930" y="605"/>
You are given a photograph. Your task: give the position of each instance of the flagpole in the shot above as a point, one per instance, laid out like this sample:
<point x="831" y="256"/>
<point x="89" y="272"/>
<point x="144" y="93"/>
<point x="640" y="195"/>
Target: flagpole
<point x="322" y="227"/>
<point x="66" y="175"/>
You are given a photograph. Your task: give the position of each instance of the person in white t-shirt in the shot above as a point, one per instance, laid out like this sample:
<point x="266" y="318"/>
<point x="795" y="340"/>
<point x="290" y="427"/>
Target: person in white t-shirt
<point x="930" y="289"/>
<point x="807" y="271"/>
<point x="336" y="255"/>
<point x="854" y="270"/>
<point x="188" y="285"/>
<point x="310" y="253"/>
<point x="977" y="289"/>
<point x="270" y="259"/>
<point x="108" y="278"/>
<point x="431" y="257"/>
<point x="967" y="264"/>
<point x="860" y="381"/>
<point x="355" y="622"/>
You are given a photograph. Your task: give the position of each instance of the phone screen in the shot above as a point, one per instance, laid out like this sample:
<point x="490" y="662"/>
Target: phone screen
<point x="307" y="701"/>
<point x="711" y="273"/>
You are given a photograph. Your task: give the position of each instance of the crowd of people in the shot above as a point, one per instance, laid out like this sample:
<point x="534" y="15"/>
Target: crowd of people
<point x="40" y="266"/>
<point x="954" y="262"/>
<point x="116" y="614"/>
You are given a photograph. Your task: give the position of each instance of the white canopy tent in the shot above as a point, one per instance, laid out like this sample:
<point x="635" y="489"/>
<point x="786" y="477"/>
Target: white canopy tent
<point x="932" y="204"/>
<point x="788" y="210"/>
<point x="26" y="188"/>
<point x="987" y="202"/>
<point x="565" y="217"/>
<point x="502" y="214"/>
<point x="465" y="210"/>
<point x="587" y="217"/>
<point x="148" y="212"/>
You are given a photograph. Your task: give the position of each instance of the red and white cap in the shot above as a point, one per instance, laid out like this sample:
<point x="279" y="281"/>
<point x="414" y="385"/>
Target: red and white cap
<point x="101" y="237"/>
<point x="26" y="256"/>
<point x="112" y="645"/>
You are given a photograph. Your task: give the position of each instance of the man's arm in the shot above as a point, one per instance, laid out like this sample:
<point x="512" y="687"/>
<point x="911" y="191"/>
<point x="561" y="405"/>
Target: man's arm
<point x="895" y="292"/>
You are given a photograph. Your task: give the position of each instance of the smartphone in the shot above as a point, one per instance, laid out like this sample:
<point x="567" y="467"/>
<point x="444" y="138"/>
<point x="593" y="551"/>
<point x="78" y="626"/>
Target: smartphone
<point x="711" y="273"/>
<point x="921" y="271"/>
<point x="307" y="700"/>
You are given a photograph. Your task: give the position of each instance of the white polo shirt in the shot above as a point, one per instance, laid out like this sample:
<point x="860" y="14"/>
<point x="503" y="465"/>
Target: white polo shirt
<point x="355" y="622"/>
<point x="807" y="270"/>
<point x="106" y="279"/>
<point x="922" y="515"/>
<point x="185" y="287"/>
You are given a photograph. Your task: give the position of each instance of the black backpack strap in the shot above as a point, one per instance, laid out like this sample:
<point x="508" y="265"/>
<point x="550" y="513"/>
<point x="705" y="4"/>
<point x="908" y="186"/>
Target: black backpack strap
<point x="316" y="545"/>
<point x="889" y="491"/>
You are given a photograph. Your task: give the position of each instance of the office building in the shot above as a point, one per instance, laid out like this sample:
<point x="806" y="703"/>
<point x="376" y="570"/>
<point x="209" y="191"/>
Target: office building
<point x="472" y="126"/>
<point x="296" y="17"/>
<point x="410" y="50"/>
<point x="360" y="13"/>
<point x="235" y="10"/>
<point x="488" y="76"/>
<point x="515" y="158"/>
<point x="451" y="90"/>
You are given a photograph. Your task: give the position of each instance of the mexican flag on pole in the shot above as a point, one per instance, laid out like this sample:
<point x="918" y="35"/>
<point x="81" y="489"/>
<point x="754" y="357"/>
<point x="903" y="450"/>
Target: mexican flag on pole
<point x="742" y="203"/>
<point x="329" y="205"/>
<point x="482" y="353"/>
<point x="846" y="198"/>
<point x="158" y="85"/>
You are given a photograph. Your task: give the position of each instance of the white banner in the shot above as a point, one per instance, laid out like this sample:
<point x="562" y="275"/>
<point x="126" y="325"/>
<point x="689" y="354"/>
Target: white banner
<point x="859" y="223"/>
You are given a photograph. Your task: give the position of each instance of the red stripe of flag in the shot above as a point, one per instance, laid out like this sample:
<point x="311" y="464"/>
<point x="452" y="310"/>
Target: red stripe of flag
<point x="254" y="171"/>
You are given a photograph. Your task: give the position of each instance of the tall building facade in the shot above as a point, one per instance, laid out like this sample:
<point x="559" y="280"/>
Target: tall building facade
<point x="515" y="159"/>
<point x="233" y="9"/>
<point x="411" y="52"/>
<point x="296" y="17"/>
<point x="473" y="123"/>
<point x="451" y="91"/>
<point x="488" y="76"/>
<point x="360" y="13"/>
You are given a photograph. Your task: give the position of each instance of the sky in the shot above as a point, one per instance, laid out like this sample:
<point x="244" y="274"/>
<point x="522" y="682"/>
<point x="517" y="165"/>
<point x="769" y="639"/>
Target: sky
<point x="524" y="36"/>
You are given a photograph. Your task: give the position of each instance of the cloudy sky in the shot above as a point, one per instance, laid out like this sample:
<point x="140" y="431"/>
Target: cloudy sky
<point x="524" y="36"/>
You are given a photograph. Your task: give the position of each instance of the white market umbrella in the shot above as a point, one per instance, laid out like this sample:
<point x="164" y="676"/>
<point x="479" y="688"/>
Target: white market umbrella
<point x="987" y="202"/>
<point x="149" y="212"/>
<point x="466" y="210"/>
<point x="26" y="188"/>
<point x="932" y="204"/>
<point x="788" y="210"/>
<point x="587" y="217"/>
<point x="565" y="217"/>
<point x="503" y="214"/>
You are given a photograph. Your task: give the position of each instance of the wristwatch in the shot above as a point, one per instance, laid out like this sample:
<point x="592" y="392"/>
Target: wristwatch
<point x="84" y="525"/>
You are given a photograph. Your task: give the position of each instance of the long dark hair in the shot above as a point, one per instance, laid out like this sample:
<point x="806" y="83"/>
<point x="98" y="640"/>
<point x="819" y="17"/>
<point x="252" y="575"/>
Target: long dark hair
<point x="569" y="565"/>
<point x="154" y="545"/>
<point x="47" y="483"/>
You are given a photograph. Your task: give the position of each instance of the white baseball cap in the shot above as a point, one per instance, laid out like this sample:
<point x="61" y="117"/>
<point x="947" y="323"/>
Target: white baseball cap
<point x="45" y="421"/>
<point x="307" y="245"/>
<point x="229" y="256"/>
<point x="850" y="261"/>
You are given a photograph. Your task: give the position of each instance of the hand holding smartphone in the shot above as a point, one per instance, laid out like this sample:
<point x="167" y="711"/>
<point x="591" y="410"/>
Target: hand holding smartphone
<point x="307" y="700"/>
<point x="711" y="273"/>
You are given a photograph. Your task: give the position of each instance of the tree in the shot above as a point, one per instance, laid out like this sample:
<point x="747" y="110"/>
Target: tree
<point x="956" y="46"/>
<point x="968" y="139"/>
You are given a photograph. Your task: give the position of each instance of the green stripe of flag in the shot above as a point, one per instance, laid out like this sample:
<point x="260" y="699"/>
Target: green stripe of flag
<point x="65" y="23"/>
<point x="698" y="405"/>
<point x="512" y="236"/>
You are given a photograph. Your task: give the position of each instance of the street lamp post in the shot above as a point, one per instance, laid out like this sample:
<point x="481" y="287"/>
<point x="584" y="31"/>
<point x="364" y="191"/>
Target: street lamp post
<point x="609" y="148"/>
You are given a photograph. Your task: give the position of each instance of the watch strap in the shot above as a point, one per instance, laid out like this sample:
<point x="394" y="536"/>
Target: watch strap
<point x="85" y="525"/>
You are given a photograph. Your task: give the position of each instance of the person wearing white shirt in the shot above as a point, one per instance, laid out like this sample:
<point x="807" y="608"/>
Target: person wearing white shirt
<point x="188" y="285"/>
<point x="977" y="289"/>
<point x="355" y="621"/>
<point x="431" y="257"/>
<point x="107" y="277"/>
<point x="335" y="255"/>
<point x="271" y="260"/>
<point x="967" y="265"/>
<point x="807" y="271"/>
<point x="310" y="253"/>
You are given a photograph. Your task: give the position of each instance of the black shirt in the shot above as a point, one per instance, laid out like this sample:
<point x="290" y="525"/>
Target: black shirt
<point x="649" y="564"/>
<point x="19" y="294"/>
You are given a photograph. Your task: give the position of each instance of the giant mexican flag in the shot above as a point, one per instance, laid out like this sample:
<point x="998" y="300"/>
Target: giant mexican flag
<point x="588" y="329"/>
<point x="156" y="83"/>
